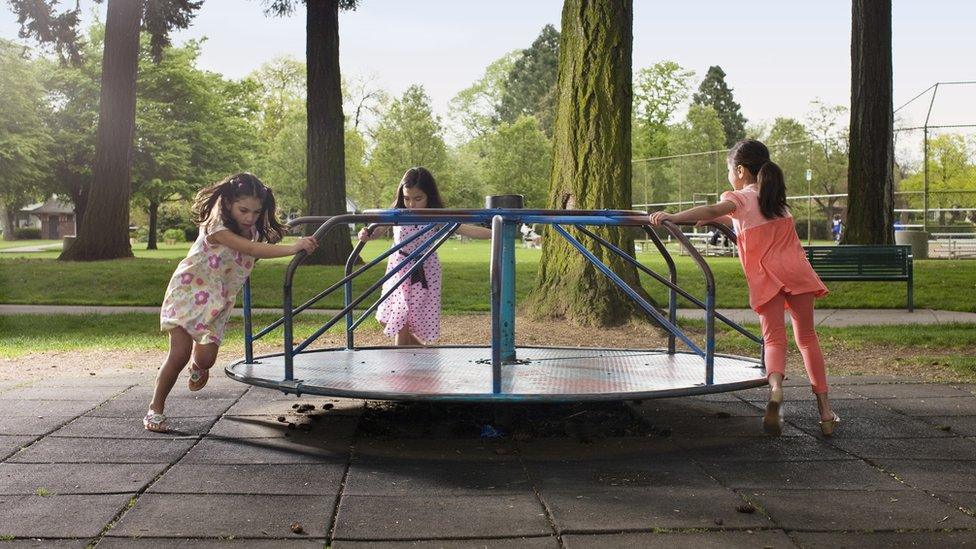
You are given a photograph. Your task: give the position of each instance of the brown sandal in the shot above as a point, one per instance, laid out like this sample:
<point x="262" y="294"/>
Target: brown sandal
<point x="198" y="377"/>
<point x="773" y="420"/>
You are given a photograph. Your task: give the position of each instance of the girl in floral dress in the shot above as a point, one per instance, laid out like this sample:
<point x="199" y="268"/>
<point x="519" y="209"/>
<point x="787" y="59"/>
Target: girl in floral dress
<point x="237" y="226"/>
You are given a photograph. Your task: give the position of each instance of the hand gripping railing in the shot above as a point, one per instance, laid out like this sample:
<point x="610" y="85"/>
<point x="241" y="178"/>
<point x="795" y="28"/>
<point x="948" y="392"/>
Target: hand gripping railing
<point x="441" y="224"/>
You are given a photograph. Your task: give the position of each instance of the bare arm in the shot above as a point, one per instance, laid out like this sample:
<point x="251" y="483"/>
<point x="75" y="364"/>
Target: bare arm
<point x="261" y="250"/>
<point x="698" y="213"/>
<point x="378" y="232"/>
<point x="472" y="231"/>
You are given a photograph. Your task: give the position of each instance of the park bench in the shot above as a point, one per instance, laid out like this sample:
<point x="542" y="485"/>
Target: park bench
<point x="870" y="263"/>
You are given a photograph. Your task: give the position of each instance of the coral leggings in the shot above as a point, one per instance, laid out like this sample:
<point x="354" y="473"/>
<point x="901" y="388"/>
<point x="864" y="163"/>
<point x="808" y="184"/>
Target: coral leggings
<point x="804" y="332"/>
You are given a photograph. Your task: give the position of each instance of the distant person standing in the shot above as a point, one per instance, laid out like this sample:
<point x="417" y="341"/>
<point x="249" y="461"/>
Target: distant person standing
<point x="837" y="228"/>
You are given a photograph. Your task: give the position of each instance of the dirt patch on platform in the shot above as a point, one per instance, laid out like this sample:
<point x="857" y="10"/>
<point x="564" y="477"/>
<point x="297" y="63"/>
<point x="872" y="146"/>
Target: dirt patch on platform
<point x="476" y="329"/>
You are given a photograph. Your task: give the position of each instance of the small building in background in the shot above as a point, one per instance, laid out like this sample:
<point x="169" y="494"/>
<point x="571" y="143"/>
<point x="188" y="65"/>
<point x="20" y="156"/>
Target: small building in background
<point x="55" y="219"/>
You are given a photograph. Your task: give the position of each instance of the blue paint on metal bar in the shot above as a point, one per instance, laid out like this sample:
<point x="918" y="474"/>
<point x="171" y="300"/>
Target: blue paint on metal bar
<point x="248" y="337"/>
<point x="648" y="308"/>
<point x="508" y="292"/>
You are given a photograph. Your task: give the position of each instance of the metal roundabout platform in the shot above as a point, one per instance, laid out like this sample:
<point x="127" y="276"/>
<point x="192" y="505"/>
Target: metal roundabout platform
<point x="498" y="371"/>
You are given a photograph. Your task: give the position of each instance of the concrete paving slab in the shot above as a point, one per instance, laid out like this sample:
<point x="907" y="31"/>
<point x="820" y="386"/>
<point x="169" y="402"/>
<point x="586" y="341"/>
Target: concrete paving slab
<point x="546" y="542"/>
<point x="960" y="425"/>
<point x="436" y="449"/>
<point x="11" y="444"/>
<point x="93" y="394"/>
<point x="425" y="517"/>
<point x="858" y="510"/>
<point x="883" y="540"/>
<point x="107" y="450"/>
<point x="934" y="475"/>
<point x="965" y="500"/>
<point x="46" y="543"/>
<point x="41" y="408"/>
<point x="302" y="479"/>
<point x="797" y="394"/>
<point x="321" y="424"/>
<point x="267" y="402"/>
<point x="120" y="380"/>
<point x="31" y="425"/>
<point x="846" y="409"/>
<point x="58" y="516"/>
<point x="583" y="476"/>
<point x="760" y="449"/>
<point x="827" y="475"/>
<point x="920" y="407"/>
<point x="711" y="426"/>
<point x="674" y="540"/>
<point x="213" y="390"/>
<point x="131" y="427"/>
<point x="647" y="509"/>
<point x="219" y="515"/>
<point x="76" y="478"/>
<point x="180" y="543"/>
<point x="175" y="407"/>
<point x="552" y="449"/>
<point x="893" y="426"/>
<point x="908" y="448"/>
<point x="679" y="407"/>
<point x="908" y="390"/>
<point x="844" y="381"/>
<point x="267" y="450"/>
<point x="393" y="477"/>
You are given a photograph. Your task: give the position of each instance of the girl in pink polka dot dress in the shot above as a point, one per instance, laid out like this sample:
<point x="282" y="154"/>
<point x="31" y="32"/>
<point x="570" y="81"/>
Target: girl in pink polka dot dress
<point x="412" y="313"/>
<point x="237" y="226"/>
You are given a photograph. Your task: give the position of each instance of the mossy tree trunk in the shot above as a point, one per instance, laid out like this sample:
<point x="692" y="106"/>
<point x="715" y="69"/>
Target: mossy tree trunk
<point x="870" y="184"/>
<point x="590" y="162"/>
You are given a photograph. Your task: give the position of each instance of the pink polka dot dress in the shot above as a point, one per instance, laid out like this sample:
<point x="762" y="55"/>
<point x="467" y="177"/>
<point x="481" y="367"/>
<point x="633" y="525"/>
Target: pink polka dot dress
<point x="416" y="304"/>
<point x="202" y="291"/>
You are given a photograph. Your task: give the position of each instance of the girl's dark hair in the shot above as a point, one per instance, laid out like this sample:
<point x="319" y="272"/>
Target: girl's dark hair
<point x="216" y="200"/>
<point x="754" y="156"/>
<point x="422" y="179"/>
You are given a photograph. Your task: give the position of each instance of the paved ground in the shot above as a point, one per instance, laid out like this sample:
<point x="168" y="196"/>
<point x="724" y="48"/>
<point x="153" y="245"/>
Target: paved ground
<point x="824" y="317"/>
<point x="76" y="467"/>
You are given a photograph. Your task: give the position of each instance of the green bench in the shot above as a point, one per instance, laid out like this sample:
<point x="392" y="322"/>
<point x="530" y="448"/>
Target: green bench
<point x="870" y="263"/>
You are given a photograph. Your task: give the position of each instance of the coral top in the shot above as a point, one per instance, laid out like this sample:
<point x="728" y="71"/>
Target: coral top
<point x="770" y="251"/>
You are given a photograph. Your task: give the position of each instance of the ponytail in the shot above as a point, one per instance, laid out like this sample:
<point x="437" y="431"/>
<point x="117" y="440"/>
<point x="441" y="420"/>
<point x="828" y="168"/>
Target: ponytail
<point x="772" y="191"/>
<point x="754" y="156"/>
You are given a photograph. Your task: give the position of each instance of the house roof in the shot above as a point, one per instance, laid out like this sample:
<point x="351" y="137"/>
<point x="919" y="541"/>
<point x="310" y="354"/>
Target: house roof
<point x="50" y="206"/>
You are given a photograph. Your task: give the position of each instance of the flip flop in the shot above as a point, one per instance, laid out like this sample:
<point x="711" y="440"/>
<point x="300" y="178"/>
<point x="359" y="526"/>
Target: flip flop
<point x="198" y="378"/>
<point x="155" y="422"/>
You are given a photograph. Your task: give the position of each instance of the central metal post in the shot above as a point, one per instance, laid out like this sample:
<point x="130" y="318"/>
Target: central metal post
<point x="503" y="232"/>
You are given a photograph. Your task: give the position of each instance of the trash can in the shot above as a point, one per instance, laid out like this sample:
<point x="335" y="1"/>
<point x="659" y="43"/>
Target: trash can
<point x="918" y="240"/>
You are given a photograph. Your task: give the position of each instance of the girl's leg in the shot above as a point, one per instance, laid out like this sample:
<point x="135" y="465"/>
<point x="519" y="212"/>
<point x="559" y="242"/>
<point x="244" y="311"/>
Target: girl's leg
<point x="404" y="337"/>
<point x="180" y="347"/>
<point x="774" y="340"/>
<point x="805" y="334"/>
<point x="204" y="357"/>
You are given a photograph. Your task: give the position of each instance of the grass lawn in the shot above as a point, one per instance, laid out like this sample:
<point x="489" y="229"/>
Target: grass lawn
<point x="5" y="244"/>
<point x="39" y="278"/>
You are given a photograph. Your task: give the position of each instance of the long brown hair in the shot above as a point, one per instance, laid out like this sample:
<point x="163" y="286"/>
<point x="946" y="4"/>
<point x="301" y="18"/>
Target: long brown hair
<point x="216" y="200"/>
<point x="754" y="156"/>
<point x="421" y="178"/>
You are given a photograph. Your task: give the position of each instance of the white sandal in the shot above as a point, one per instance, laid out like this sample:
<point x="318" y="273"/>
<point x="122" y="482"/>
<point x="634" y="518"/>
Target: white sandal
<point x="198" y="377"/>
<point x="155" y="422"/>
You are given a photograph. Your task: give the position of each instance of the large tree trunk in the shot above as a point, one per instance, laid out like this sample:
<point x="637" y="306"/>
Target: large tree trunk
<point x="153" y="220"/>
<point x="590" y="162"/>
<point x="7" y="221"/>
<point x="870" y="185"/>
<point x="104" y="231"/>
<point x="326" y="172"/>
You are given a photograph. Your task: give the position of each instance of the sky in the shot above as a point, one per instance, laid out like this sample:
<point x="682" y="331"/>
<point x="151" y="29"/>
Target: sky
<point x="779" y="56"/>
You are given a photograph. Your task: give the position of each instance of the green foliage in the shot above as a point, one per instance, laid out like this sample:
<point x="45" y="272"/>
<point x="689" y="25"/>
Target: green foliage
<point x="517" y="161"/>
<point x="531" y="85"/>
<point x="27" y="233"/>
<point x="174" y="235"/>
<point x="409" y="134"/>
<point x="23" y="137"/>
<point x="715" y="92"/>
<point x="475" y="108"/>
<point x="700" y="131"/>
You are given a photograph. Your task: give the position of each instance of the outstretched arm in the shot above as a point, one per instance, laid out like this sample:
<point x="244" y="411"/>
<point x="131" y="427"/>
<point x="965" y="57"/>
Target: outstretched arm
<point x="472" y="231"/>
<point x="262" y="250"/>
<point x="698" y="213"/>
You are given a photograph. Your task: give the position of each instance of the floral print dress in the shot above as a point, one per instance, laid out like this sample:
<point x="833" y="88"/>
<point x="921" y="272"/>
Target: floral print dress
<point x="203" y="289"/>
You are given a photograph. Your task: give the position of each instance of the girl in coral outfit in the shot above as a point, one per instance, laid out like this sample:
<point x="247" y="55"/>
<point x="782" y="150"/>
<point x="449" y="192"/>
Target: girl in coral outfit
<point x="776" y="269"/>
